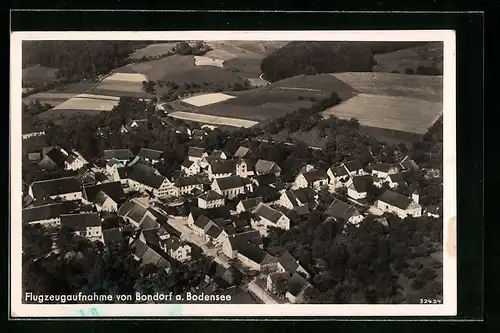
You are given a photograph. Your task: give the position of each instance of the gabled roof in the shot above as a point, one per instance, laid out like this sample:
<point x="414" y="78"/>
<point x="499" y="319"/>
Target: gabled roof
<point x="288" y="262"/>
<point x="264" y="166"/>
<point x="396" y="177"/>
<point x="214" y="231"/>
<point x="49" y="211"/>
<point x="112" y="189"/>
<point x="249" y="204"/>
<point x="132" y="210"/>
<point x="187" y="181"/>
<point x="254" y="253"/>
<point x="120" y="154"/>
<point x="112" y="236"/>
<point x="229" y="182"/>
<point x="101" y="198"/>
<point x="339" y="171"/>
<point x="196" y="152"/>
<point x="150" y="154"/>
<point x="71" y="158"/>
<point x="80" y="222"/>
<point x="149" y="256"/>
<point x="341" y="210"/>
<point x="210" y="196"/>
<point x="151" y="237"/>
<point x="217" y="153"/>
<point x="296" y="284"/>
<point x="383" y="167"/>
<point x="408" y="164"/>
<point x="241" y="152"/>
<point x="173" y="243"/>
<point x="266" y="179"/>
<point x="202" y="221"/>
<point x="149" y="222"/>
<point x="361" y="183"/>
<point x="301" y="196"/>
<point x="57" y="156"/>
<point x="223" y="166"/>
<point x="187" y="164"/>
<point x="395" y="199"/>
<point x="264" y="211"/>
<point x="145" y="175"/>
<point x="315" y="175"/>
<point x="301" y="210"/>
<point x="353" y="165"/>
<point x="56" y="186"/>
<point x="252" y="236"/>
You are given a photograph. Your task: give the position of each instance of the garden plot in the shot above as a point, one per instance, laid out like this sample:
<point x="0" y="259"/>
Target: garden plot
<point x="215" y="120"/>
<point x="207" y="61"/>
<point x="207" y="99"/>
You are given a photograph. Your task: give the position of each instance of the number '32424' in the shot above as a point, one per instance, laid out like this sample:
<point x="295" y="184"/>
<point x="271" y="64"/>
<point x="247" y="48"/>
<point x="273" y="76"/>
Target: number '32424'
<point x="431" y="301"/>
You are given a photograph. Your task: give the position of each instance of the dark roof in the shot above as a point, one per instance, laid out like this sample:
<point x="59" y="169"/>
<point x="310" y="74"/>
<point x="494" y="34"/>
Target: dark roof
<point x="187" y="181"/>
<point x="315" y="175"/>
<point x="196" y="151"/>
<point x="120" y="154"/>
<point x="296" y="284"/>
<point x="267" y="212"/>
<point x="353" y="165"/>
<point x="149" y="222"/>
<point x="251" y="203"/>
<point x="100" y="198"/>
<point x="230" y="182"/>
<point x="202" y="221"/>
<point x="173" y="243"/>
<point x="341" y="210"/>
<point x="150" y="154"/>
<point x="288" y="262"/>
<point x="408" y="164"/>
<point x="253" y="252"/>
<point x="151" y="237"/>
<point x="221" y="222"/>
<point x="216" y="153"/>
<point x="50" y="211"/>
<point x="210" y="195"/>
<point x="301" y="196"/>
<point x="395" y="199"/>
<point x="264" y="166"/>
<point x="112" y="236"/>
<point x="149" y="256"/>
<point x="361" y="183"/>
<point x="301" y="210"/>
<point x="124" y="172"/>
<point x="187" y="163"/>
<point x="382" y="167"/>
<point x="252" y="236"/>
<point x="57" y="156"/>
<point x="339" y="171"/>
<point x="218" y="212"/>
<point x="266" y="179"/>
<point x="80" y="222"/>
<point x="145" y="175"/>
<point x="241" y="152"/>
<point x="113" y="189"/>
<point x="223" y="166"/>
<point x="397" y="177"/>
<point x="55" y="187"/>
<point x="214" y="231"/>
<point x="230" y="229"/>
<point x="132" y="210"/>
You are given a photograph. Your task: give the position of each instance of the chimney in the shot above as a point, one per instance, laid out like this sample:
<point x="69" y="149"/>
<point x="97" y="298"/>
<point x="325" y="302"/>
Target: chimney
<point x="415" y="196"/>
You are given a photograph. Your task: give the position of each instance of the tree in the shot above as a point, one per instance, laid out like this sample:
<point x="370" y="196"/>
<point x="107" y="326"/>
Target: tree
<point x="183" y="48"/>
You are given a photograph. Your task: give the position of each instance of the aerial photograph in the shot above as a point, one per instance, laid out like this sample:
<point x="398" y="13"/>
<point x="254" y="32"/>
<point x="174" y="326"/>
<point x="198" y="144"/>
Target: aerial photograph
<point x="232" y="172"/>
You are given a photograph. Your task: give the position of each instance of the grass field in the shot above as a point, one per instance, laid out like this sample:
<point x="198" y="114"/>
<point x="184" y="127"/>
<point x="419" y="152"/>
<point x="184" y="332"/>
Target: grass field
<point x="206" y="99"/>
<point x="59" y="95"/>
<point x="210" y="119"/>
<point x="207" y="61"/>
<point x="153" y="50"/>
<point x="243" y="66"/>
<point x="38" y="75"/>
<point x="90" y="102"/>
<point x="429" y="55"/>
<point x="158" y="69"/>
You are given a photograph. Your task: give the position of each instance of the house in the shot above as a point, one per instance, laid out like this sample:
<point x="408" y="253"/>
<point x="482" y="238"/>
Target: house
<point x="273" y="284"/>
<point x="287" y="263"/>
<point x="297" y="198"/>
<point x="133" y="125"/>
<point x="296" y="288"/>
<point x="210" y="199"/>
<point x="67" y="188"/>
<point x="121" y="155"/>
<point x="177" y="249"/>
<point x="242" y="152"/>
<point x="344" y="212"/>
<point x="196" y="154"/>
<point x="408" y="164"/>
<point x="433" y="211"/>
<point x="382" y="170"/>
<point x="232" y="186"/>
<point x="224" y="277"/>
<point x="339" y="176"/>
<point x="35" y="157"/>
<point x="74" y="161"/>
<point x="53" y="158"/>
<point x="306" y="168"/>
<point x="253" y="257"/>
<point x="83" y="224"/>
<point x="146" y="255"/>
<point x="269" y="179"/>
<point x="353" y="167"/>
<point x="190" y="168"/>
<point x="231" y="244"/>
<point x="313" y="179"/>
<point x="359" y="187"/>
<point x="200" y="224"/>
<point x="145" y="178"/>
<point x="150" y="155"/>
<point x="263" y="167"/>
<point x="265" y="217"/>
<point x="50" y="214"/>
<point x="198" y="134"/>
<point x="113" y="237"/>
<point x="216" y="235"/>
<point x="225" y="168"/>
<point x="112" y="165"/>
<point x="188" y="185"/>
<point x="393" y="202"/>
<point x="138" y="214"/>
<point x="218" y="154"/>
<point x="247" y="205"/>
<point x="106" y="196"/>
<point x="396" y="180"/>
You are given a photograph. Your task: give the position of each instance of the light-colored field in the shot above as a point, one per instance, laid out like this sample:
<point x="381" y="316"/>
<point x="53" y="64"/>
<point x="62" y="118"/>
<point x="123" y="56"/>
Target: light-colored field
<point x="128" y="77"/>
<point x="103" y="97"/>
<point x="88" y="102"/>
<point x="242" y="48"/>
<point x="126" y="82"/>
<point x="207" y="61"/>
<point x="53" y="99"/>
<point x="258" y="82"/>
<point x="157" y="69"/>
<point x="215" y="120"/>
<point x="207" y="99"/>
<point x="153" y="50"/>
<point x="406" y="114"/>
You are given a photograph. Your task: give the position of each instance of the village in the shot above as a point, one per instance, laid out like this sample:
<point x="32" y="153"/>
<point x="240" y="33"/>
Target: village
<point x="212" y="209"/>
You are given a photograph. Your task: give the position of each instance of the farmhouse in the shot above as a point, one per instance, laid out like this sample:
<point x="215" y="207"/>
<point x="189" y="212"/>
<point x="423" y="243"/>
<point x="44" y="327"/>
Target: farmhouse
<point x="248" y="204"/>
<point x="146" y="255"/>
<point x="314" y="179"/>
<point x="67" y="188"/>
<point x="53" y="157"/>
<point x="195" y="154"/>
<point x="408" y="164"/>
<point x="188" y="185"/>
<point x="210" y="199"/>
<point x="190" y="168"/>
<point x="75" y="161"/>
<point x="106" y="196"/>
<point x="83" y="224"/>
<point x="296" y="288"/>
<point x="144" y="178"/>
<point x="396" y="180"/>
<point x="354" y="167"/>
<point x="231" y="187"/>
<point x="201" y="225"/>
<point x="178" y="250"/>
<point x="269" y="179"/>
<point x="393" y="202"/>
<point x="215" y="235"/>
<point x="263" y="167"/>
<point x="231" y="244"/>
<point x="265" y="217"/>
<point x="150" y="155"/>
<point x="112" y="237"/>
<point x="137" y="214"/>
<point x="121" y="155"/>
<point x="344" y="212"/>
<point x="253" y="257"/>
<point x="339" y="176"/>
<point x="133" y="125"/>
<point x="382" y="170"/>
<point x="359" y="187"/>
<point x="287" y="263"/>
<point x="51" y="213"/>
<point x="242" y="152"/>
<point x="297" y="198"/>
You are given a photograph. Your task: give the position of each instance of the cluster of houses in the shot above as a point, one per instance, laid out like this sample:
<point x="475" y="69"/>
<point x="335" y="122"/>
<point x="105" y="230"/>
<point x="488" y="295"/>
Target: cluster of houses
<point x="129" y="186"/>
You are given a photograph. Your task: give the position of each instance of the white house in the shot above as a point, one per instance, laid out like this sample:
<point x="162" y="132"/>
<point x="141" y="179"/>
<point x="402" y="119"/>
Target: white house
<point x="287" y="263"/>
<point x="49" y="214"/>
<point x="339" y="176"/>
<point x="75" y="161"/>
<point x="314" y="179"/>
<point x="196" y="154"/>
<point x="353" y="167"/>
<point x="144" y="178"/>
<point x="296" y="198"/>
<point x="248" y="204"/>
<point x="215" y="235"/>
<point x="344" y="212"/>
<point x="150" y="155"/>
<point x="359" y="187"/>
<point x="395" y="180"/>
<point x="190" y="168"/>
<point x="84" y="224"/>
<point x="265" y="217"/>
<point x="67" y="188"/>
<point x="187" y="185"/>
<point x="263" y="167"/>
<point x="253" y="257"/>
<point x="231" y="244"/>
<point x="232" y="186"/>
<point x="382" y="170"/>
<point x="122" y="155"/>
<point x="210" y="199"/>
<point x="177" y="249"/>
<point x="296" y="287"/>
<point x="399" y="204"/>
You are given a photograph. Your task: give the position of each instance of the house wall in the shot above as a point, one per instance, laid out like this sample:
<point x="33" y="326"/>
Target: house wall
<point x="94" y="232"/>
<point x="249" y="263"/>
<point x="108" y="206"/>
<point x="183" y="253"/>
<point x="356" y="219"/>
<point x="202" y="203"/>
<point x="355" y="194"/>
<point x="301" y="181"/>
<point x="213" y="176"/>
<point x="187" y="189"/>
<point x="233" y="192"/>
<point x="69" y="196"/>
<point x="220" y="239"/>
<point x="415" y="211"/>
<point x="192" y="170"/>
<point x="285" y="201"/>
<point x="227" y="249"/>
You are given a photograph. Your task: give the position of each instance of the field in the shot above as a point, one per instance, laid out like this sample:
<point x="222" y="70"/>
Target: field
<point x="243" y="66"/>
<point x="59" y="115"/>
<point x="206" y="99"/>
<point x="38" y="75"/>
<point x="206" y="61"/>
<point x="208" y="119"/>
<point x="158" y="69"/>
<point x="153" y="50"/>
<point x="248" y="49"/>
<point x="57" y="96"/>
<point x="121" y="85"/>
<point x="429" y="55"/>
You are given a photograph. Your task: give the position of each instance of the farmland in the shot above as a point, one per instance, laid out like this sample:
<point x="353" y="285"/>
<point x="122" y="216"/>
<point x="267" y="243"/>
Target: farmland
<point x="209" y="119"/>
<point x="57" y="96"/>
<point x="206" y="61"/>
<point x="206" y="99"/>
<point x="153" y="50"/>
<point x="159" y="69"/>
<point x="122" y="85"/>
<point x="38" y="75"/>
